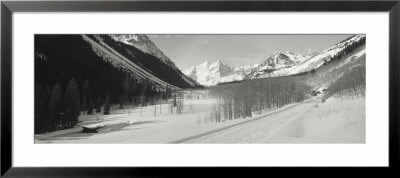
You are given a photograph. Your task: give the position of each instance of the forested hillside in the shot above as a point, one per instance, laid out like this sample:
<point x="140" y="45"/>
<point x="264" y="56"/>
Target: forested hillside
<point x="71" y="78"/>
<point x="343" y="75"/>
<point x="241" y="100"/>
<point x="150" y="63"/>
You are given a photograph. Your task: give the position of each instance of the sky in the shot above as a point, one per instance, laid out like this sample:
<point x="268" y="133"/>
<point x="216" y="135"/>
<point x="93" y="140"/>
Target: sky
<point x="236" y="50"/>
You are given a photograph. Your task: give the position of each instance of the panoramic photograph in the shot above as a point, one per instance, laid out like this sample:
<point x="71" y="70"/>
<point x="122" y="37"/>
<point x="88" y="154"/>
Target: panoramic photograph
<point x="199" y="88"/>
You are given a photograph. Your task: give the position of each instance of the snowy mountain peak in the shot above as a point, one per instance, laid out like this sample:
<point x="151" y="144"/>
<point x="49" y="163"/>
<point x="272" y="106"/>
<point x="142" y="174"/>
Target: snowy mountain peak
<point x="127" y="39"/>
<point x="346" y="42"/>
<point x="217" y="72"/>
<point x="143" y="43"/>
<point x="290" y="53"/>
<point x="212" y="73"/>
<point x="307" y="53"/>
<point x="203" y="65"/>
<point x="280" y="60"/>
<point x="326" y="55"/>
<point x="217" y="63"/>
<point x="294" y="63"/>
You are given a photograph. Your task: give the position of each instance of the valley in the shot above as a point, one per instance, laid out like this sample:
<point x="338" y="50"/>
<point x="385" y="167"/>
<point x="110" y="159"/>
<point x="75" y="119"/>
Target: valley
<point x="124" y="89"/>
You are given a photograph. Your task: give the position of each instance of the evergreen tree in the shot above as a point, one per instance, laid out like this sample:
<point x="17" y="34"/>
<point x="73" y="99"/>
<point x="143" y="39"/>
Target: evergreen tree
<point x="167" y="93"/>
<point x="144" y="92"/>
<point x="84" y="104"/>
<point x="106" y="109"/>
<point x="90" y="108"/>
<point x="86" y="89"/>
<point x="174" y="101"/>
<point x="85" y="95"/>
<point x="71" y="104"/>
<point x="41" y="110"/>
<point x="55" y="106"/>
<point x="98" y="105"/>
<point x="134" y="88"/>
<point x="122" y="101"/>
<point x="127" y="86"/>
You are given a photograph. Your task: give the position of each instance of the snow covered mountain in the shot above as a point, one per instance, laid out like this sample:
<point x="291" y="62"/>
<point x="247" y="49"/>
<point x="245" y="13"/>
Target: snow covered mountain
<point x="144" y="44"/>
<point x="119" y="55"/>
<point x="246" y="69"/>
<point x="281" y="64"/>
<point x="277" y="64"/>
<point x="209" y="74"/>
<point x="326" y="55"/>
<point x="213" y="73"/>
<point x="279" y="61"/>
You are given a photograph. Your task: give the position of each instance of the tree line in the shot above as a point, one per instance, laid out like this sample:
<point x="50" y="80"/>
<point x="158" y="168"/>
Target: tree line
<point x="58" y="107"/>
<point x="72" y="78"/>
<point x="351" y="84"/>
<point x="347" y="50"/>
<point x="241" y="100"/>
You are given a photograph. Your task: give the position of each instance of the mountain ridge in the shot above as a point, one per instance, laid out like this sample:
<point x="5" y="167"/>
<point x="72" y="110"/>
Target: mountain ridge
<point x="146" y="45"/>
<point x="209" y="74"/>
<point x="206" y="73"/>
<point x="276" y="64"/>
<point x="310" y="63"/>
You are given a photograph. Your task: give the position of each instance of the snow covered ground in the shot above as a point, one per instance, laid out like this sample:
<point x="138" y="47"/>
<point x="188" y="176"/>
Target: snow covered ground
<point x="130" y="126"/>
<point x="312" y="121"/>
<point x="332" y="121"/>
<point x="134" y="125"/>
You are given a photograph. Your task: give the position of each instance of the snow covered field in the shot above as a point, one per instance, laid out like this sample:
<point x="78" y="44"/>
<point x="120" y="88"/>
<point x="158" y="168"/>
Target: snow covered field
<point x="312" y="121"/>
<point x="332" y="121"/>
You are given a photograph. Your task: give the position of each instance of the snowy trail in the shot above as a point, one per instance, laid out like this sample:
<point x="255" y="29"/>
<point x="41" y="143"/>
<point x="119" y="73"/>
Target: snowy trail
<point x="263" y="116"/>
<point x="334" y="121"/>
<point x="255" y="130"/>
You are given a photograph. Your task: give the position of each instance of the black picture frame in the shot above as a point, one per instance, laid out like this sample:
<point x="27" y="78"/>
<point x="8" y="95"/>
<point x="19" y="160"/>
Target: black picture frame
<point x="9" y="7"/>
